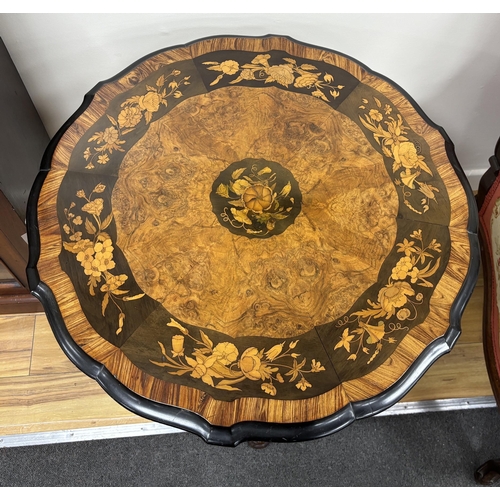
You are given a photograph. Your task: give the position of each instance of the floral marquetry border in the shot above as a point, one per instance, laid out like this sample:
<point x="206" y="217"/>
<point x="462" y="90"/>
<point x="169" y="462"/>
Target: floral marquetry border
<point x="457" y="270"/>
<point x="391" y="134"/>
<point x="133" y="110"/>
<point x="286" y="72"/>
<point x="222" y="366"/>
<point x="367" y="330"/>
<point x="94" y="252"/>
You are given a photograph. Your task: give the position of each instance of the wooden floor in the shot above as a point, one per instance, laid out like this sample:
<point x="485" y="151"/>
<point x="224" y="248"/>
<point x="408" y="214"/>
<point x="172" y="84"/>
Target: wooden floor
<point x="41" y="390"/>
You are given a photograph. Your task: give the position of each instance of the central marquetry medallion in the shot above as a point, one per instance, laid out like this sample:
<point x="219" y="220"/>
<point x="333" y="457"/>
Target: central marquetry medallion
<point x="256" y="198"/>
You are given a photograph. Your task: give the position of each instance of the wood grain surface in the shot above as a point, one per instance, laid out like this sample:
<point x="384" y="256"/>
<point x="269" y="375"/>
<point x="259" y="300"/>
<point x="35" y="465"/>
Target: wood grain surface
<point x="130" y="240"/>
<point x="277" y="287"/>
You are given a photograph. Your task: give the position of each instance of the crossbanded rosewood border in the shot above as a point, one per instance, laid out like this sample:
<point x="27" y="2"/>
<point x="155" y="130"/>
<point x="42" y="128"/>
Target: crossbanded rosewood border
<point x="256" y="409"/>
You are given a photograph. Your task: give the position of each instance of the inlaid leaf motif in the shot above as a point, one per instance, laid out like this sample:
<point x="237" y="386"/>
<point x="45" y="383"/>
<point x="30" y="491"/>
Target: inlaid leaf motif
<point x="236" y="174"/>
<point x="308" y="67"/>
<point x="134" y="297"/>
<point x="105" y="302"/>
<point x="223" y="190"/>
<point x="265" y="170"/>
<point x="286" y="190"/>
<point x="107" y="221"/>
<point x="205" y="339"/>
<point x="91" y="229"/>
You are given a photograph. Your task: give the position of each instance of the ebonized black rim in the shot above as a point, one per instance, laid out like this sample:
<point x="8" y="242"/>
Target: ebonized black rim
<point x="247" y="431"/>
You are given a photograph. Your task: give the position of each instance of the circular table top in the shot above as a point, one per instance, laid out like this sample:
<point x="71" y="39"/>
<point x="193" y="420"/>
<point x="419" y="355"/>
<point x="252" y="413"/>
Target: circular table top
<point x="252" y="238"/>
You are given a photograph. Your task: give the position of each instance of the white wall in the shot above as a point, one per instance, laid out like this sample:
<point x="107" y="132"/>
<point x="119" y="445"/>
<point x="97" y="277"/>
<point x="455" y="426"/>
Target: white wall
<point x="449" y="63"/>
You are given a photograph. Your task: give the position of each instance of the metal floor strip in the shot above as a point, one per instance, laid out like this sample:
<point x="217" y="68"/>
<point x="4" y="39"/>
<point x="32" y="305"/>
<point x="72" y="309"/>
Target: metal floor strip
<point x="88" y="434"/>
<point x="441" y="405"/>
<point x="134" y="430"/>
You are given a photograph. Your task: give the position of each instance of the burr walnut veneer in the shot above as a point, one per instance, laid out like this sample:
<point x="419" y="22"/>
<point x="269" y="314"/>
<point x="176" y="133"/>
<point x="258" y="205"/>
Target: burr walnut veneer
<point x="252" y="238"/>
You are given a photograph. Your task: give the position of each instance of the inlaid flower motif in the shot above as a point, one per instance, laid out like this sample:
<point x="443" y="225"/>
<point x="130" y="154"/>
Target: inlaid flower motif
<point x="258" y="198"/>
<point x="307" y="80"/>
<point x="201" y="368"/>
<point x="86" y="258"/>
<point x="229" y="67"/>
<point x="113" y="282"/>
<point x="375" y="115"/>
<point x="261" y="59"/>
<point x="394" y="295"/>
<point x="103" y="159"/>
<point x="76" y="236"/>
<point x="250" y="363"/>
<point x="397" y="298"/>
<point x="94" y="270"/>
<point x="407" y="247"/>
<point x="345" y="341"/>
<point x="376" y="332"/>
<point x="402" y="268"/>
<point x="275" y="351"/>
<point x="150" y="102"/>
<point x="94" y="207"/>
<point x="408" y="178"/>
<point x="283" y="74"/>
<point x="247" y="74"/>
<point x="81" y="246"/>
<point x="104" y="255"/>
<point x="177" y="346"/>
<point x="226" y="353"/>
<point x="428" y="190"/>
<point x="110" y="135"/>
<point x="129" y="117"/>
<point x="316" y="366"/>
<point x="406" y="154"/>
<point x="112" y="138"/>
<point x="414" y="274"/>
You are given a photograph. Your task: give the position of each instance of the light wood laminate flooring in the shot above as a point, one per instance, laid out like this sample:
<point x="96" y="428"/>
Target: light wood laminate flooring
<point x="42" y="391"/>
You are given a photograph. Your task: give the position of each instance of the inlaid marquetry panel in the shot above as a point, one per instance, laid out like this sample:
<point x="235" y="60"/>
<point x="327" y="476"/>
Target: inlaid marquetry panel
<point x="253" y="229"/>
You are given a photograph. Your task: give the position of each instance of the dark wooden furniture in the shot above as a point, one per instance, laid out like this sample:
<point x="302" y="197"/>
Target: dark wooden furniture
<point x="23" y="140"/>
<point x="488" y="199"/>
<point x="252" y="239"/>
<point x="14" y="293"/>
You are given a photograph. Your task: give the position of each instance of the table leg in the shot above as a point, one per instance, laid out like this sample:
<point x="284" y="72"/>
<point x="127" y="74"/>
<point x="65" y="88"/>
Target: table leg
<point x="489" y="473"/>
